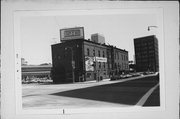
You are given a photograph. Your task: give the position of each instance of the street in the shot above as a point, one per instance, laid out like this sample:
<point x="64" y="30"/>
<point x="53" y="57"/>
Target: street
<point x="141" y="91"/>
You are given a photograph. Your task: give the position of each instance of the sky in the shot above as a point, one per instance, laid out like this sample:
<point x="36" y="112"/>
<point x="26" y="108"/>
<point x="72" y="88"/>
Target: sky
<point x="38" y="33"/>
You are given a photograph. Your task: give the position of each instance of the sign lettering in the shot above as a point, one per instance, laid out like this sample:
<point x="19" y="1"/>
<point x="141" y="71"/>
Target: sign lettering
<point x="72" y="33"/>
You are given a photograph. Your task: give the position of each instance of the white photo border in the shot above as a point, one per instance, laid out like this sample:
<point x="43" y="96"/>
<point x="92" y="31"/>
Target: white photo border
<point x="16" y="11"/>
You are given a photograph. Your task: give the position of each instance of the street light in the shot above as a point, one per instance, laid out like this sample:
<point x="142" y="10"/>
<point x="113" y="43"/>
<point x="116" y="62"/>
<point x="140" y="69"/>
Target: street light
<point x="150" y="27"/>
<point x="72" y="62"/>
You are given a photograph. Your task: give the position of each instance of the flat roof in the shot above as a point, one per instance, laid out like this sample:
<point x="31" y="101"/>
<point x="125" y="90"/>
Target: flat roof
<point x="36" y="66"/>
<point x="106" y="45"/>
<point x="71" y="28"/>
<point x="85" y="40"/>
<point x="145" y="37"/>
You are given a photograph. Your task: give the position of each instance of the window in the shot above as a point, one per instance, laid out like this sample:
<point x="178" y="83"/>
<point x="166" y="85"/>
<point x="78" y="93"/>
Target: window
<point x="103" y="54"/>
<point x="88" y="75"/>
<point x="107" y="54"/>
<point x="104" y="65"/>
<point x="115" y="65"/>
<point x="99" y="64"/>
<point x="99" y="54"/>
<point x="88" y="52"/>
<point x="93" y="52"/>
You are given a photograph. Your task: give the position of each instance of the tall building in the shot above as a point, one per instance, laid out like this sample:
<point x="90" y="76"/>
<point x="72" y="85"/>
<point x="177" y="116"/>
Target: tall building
<point x="146" y="54"/>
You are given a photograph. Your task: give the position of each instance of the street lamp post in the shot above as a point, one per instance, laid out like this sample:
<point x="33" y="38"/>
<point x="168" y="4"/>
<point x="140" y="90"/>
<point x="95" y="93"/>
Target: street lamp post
<point x="150" y="27"/>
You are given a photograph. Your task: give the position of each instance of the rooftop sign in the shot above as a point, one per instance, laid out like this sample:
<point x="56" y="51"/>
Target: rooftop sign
<point x="72" y="33"/>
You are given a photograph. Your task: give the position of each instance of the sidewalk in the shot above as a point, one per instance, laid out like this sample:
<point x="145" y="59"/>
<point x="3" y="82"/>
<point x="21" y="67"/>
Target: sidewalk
<point x="108" y="81"/>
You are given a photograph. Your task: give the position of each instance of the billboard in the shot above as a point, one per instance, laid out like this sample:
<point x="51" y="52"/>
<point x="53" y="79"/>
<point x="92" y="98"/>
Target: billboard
<point x="72" y="33"/>
<point x="89" y="61"/>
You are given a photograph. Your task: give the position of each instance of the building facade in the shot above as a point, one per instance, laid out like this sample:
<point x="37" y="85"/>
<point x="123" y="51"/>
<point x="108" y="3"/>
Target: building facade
<point x="67" y="61"/>
<point x="120" y="61"/>
<point x="146" y="54"/>
<point x="83" y="60"/>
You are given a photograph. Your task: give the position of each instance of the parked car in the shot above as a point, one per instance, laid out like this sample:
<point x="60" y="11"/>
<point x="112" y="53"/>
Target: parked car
<point x="116" y="77"/>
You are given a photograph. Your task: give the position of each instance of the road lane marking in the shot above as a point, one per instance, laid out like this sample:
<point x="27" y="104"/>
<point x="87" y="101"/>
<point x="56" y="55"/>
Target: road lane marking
<point x="146" y="96"/>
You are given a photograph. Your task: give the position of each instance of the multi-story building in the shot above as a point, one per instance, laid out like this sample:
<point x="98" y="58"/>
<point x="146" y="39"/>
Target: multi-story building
<point x="120" y="62"/>
<point x="76" y="60"/>
<point x="146" y="54"/>
<point x="83" y="60"/>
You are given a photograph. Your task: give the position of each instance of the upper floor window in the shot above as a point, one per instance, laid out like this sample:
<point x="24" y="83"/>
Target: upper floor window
<point x="93" y="52"/>
<point x="115" y="65"/>
<point x="99" y="53"/>
<point x="88" y="53"/>
<point x="99" y="64"/>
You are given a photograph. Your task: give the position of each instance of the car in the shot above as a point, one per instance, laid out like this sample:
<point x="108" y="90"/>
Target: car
<point x="116" y="77"/>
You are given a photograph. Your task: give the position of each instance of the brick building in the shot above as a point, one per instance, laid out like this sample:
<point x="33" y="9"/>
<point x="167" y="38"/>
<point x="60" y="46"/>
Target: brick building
<point x="146" y="54"/>
<point x="120" y="60"/>
<point x="77" y="59"/>
<point x="82" y="60"/>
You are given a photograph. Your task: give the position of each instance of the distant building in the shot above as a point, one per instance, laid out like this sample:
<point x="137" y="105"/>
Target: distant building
<point x="23" y="61"/>
<point x="146" y="54"/>
<point x="30" y="71"/>
<point x="83" y="60"/>
<point x="132" y="66"/>
<point x="97" y="38"/>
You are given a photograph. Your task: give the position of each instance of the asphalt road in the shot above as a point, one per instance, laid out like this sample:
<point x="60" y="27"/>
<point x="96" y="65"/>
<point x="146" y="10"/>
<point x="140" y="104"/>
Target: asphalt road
<point x="121" y="93"/>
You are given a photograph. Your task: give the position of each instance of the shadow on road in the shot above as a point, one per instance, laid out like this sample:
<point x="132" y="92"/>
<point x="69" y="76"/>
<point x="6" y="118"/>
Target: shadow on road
<point x="154" y="99"/>
<point x="129" y="92"/>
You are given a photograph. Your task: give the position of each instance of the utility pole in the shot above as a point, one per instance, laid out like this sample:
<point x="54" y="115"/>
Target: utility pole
<point x="95" y="71"/>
